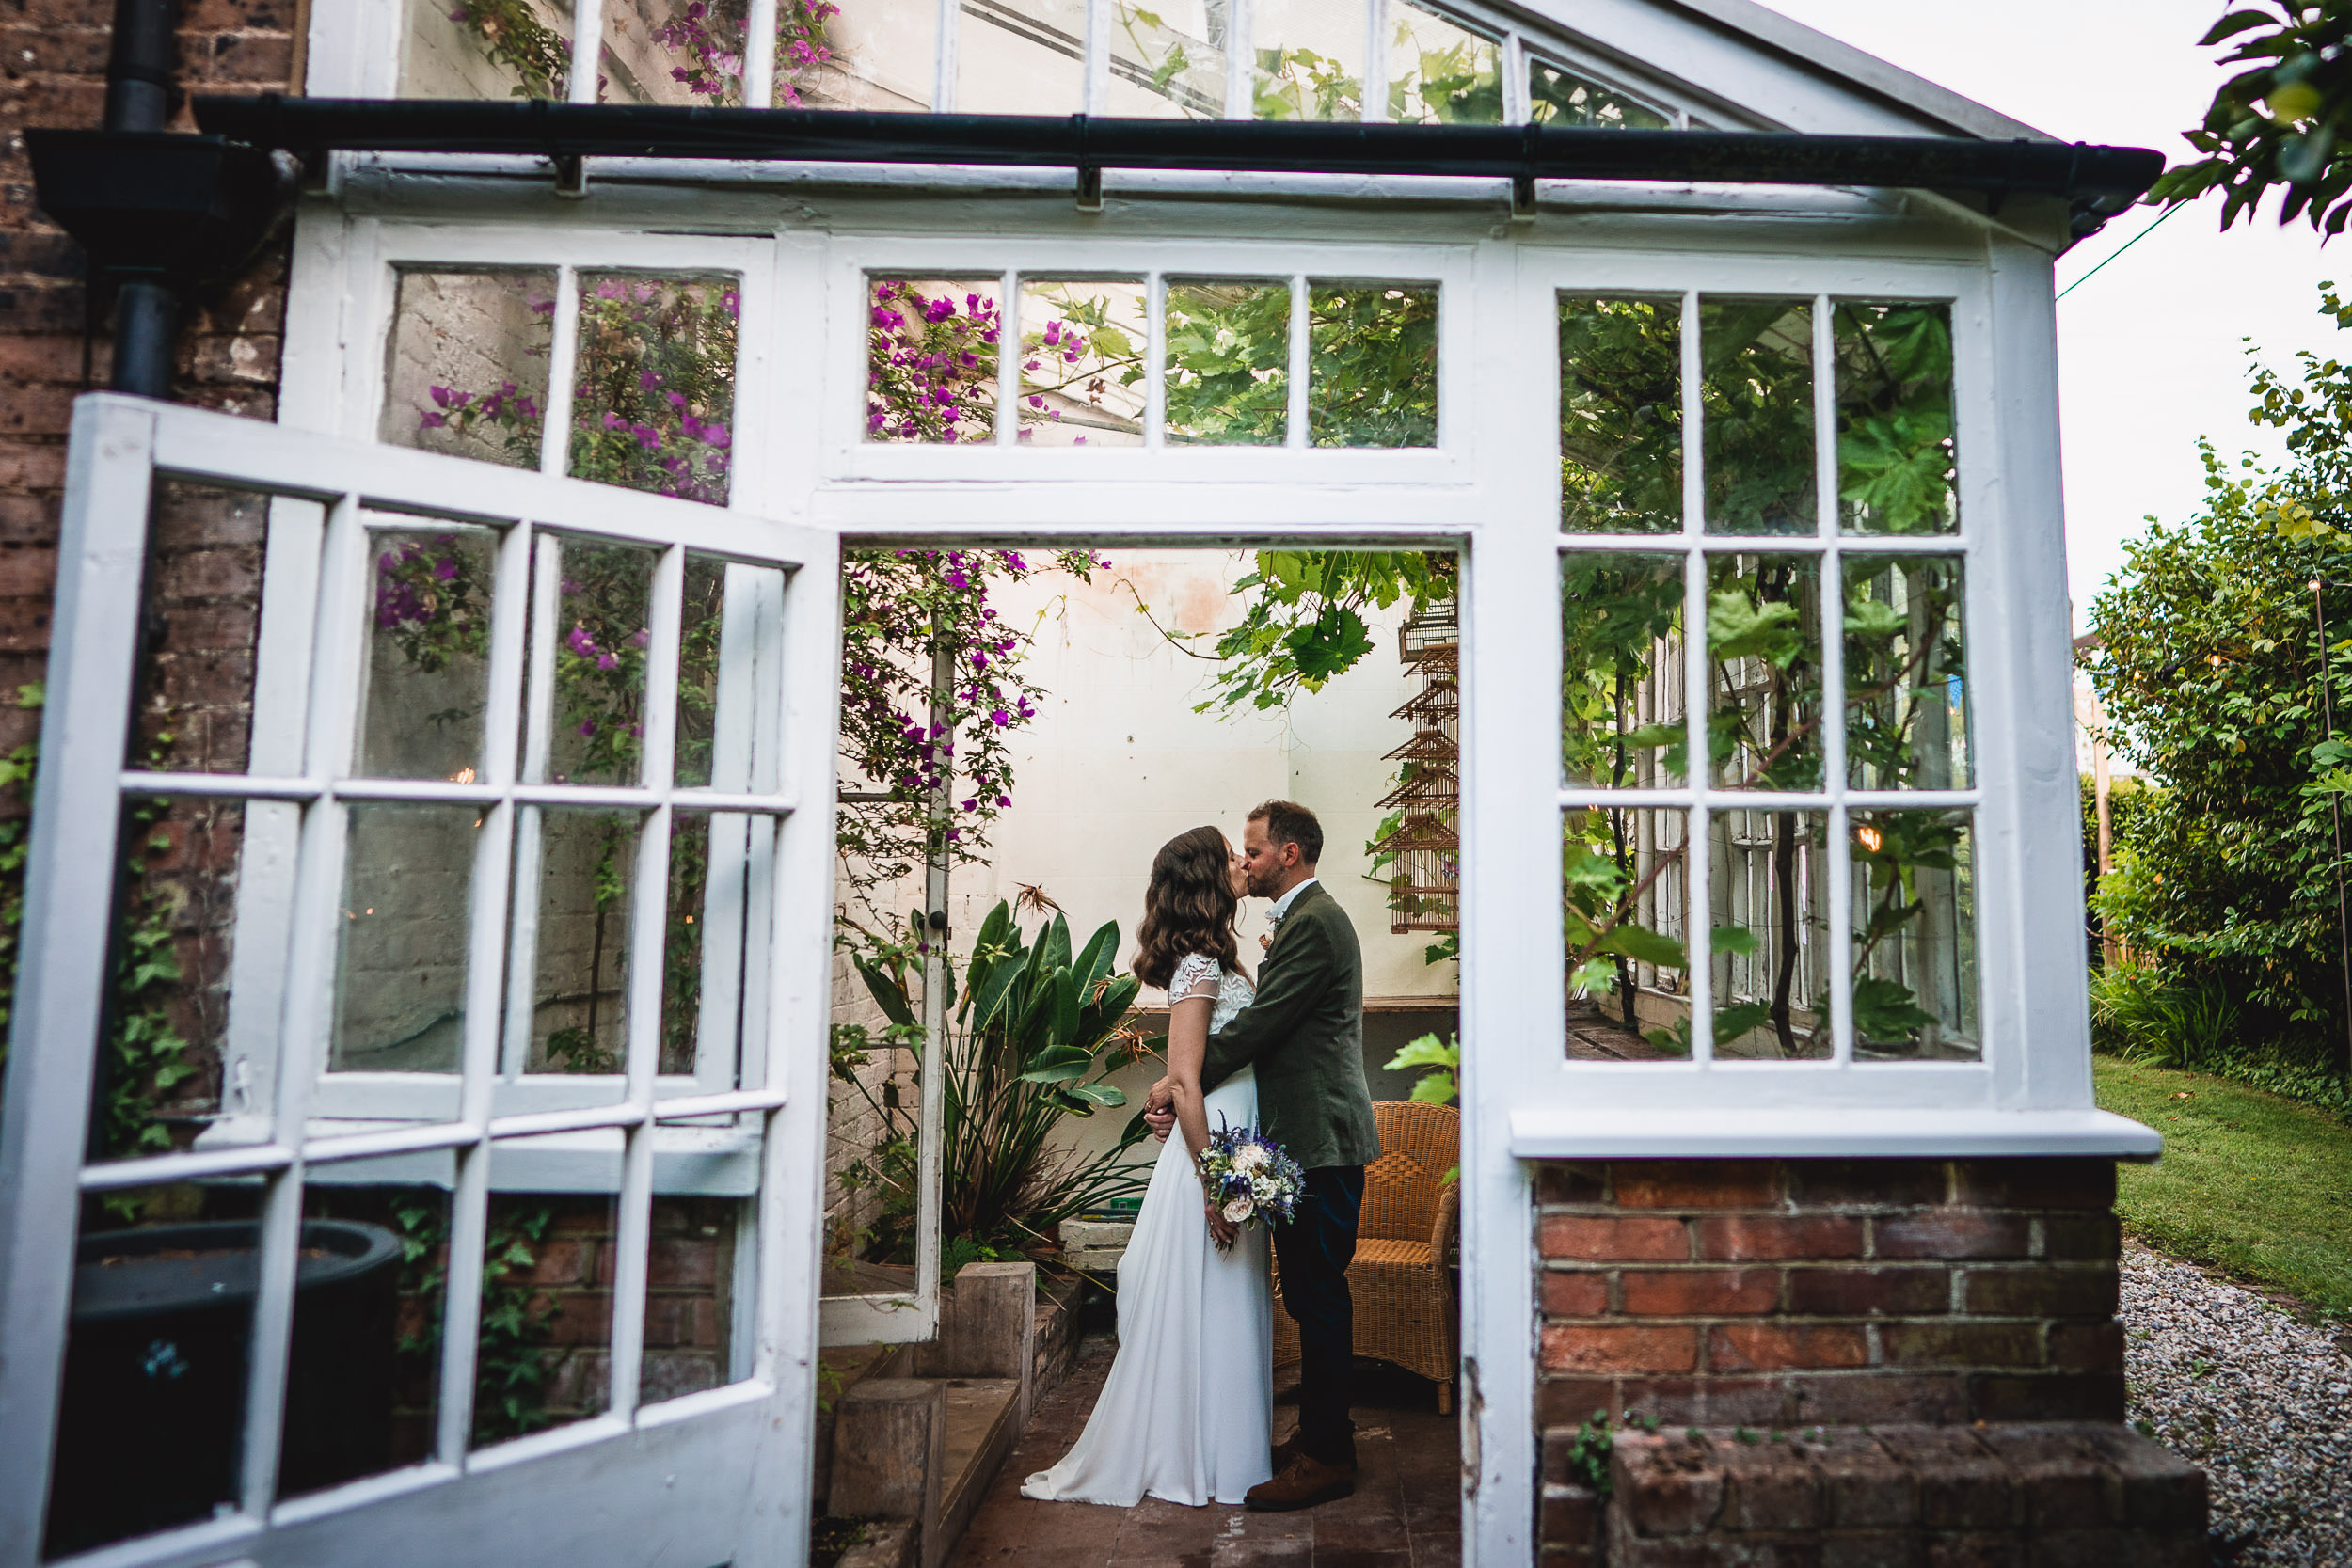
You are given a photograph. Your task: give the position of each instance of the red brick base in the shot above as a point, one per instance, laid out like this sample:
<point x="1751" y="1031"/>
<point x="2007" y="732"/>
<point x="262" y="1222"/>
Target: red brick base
<point x="1786" y="1293"/>
<point x="1961" y="1312"/>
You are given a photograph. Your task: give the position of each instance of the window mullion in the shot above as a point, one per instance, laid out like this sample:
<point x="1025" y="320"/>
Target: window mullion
<point x="944" y="81"/>
<point x="1009" y="360"/>
<point x="587" y="47"/>
<point x="1156" y="361"/>
<point x="759" y="54"/>
<point x="563" y="355"/>
<point x="1095" y="60"/>
<point x="1518" y="105"/>
<point x="1295" y="433"/>
<point x="335" y="635"/>
<point x="1698" y="948"/>
<point x="1241" y="88"/>
<point x="1836" y="866"/>
<point x="1376" y="62"/>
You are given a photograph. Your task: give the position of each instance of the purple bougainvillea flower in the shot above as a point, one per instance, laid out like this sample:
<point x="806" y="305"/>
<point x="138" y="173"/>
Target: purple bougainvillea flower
<point x="432" y="421"/>
<point x="588" y="726"/>
<point x="644" y="636"/>
<point x="607" y="661"/>
<point x="647" y="380"/>
<point x="444" y="569"/>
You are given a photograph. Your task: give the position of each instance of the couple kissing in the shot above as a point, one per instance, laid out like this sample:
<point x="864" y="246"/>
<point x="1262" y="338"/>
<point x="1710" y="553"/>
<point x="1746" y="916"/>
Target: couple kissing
<point x="1186" y="1412"/>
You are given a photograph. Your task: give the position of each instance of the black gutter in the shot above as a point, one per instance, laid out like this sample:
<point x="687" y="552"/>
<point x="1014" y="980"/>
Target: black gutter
<point x="2102" y="179"/>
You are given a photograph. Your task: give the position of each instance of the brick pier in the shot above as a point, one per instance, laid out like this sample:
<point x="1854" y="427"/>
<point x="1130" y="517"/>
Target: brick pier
<point x="1963" y="1311"/>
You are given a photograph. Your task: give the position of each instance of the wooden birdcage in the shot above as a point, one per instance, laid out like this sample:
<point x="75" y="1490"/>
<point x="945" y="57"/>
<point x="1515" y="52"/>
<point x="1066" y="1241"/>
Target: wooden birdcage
<point x="1425" y="868"/>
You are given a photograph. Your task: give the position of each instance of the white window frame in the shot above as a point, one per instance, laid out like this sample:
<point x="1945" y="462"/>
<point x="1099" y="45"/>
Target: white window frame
<point x="537" y="1497"/>
<point x="1490" y="488"/>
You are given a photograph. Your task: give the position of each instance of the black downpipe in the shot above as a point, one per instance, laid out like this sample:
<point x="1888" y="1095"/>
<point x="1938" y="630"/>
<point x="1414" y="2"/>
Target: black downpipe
<point x="138" y="98"/>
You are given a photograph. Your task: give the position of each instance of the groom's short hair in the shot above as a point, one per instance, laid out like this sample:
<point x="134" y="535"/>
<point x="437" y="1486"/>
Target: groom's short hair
<point x="1288" y="822"/>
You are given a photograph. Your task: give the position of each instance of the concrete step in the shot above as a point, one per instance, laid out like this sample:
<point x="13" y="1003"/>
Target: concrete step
<point x="983" y="1423"/>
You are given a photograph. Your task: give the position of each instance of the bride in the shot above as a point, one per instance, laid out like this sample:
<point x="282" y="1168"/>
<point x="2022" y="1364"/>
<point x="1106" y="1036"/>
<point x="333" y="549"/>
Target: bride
<point x="1186" y="1413"/>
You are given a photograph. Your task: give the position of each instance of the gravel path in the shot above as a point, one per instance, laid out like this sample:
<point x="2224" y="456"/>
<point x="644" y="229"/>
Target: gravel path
<point x="2263" y="1402"/>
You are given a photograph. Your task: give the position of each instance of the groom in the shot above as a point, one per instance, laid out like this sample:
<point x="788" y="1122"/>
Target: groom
<point x="1305" y="1034"/>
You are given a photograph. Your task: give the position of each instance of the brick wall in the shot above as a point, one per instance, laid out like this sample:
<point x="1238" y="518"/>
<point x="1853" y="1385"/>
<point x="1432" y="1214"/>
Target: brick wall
<point x="1784" y="1294"/>
<point x="203" y="602"/>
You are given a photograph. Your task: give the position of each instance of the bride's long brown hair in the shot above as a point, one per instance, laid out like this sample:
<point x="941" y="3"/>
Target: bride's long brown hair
<point x="1188" y="907"/>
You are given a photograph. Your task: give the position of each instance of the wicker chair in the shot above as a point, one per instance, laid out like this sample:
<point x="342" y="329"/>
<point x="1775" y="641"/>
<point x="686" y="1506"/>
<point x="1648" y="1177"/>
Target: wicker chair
<point x="1403" y="1304"/>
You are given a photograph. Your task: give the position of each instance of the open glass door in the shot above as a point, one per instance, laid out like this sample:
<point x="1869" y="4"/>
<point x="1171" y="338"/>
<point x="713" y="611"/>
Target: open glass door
<point x="499" y="1239"/>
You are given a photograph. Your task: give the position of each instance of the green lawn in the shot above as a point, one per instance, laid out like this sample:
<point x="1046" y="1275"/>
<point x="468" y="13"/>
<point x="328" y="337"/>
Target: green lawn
<point x="2252" y="1184"/>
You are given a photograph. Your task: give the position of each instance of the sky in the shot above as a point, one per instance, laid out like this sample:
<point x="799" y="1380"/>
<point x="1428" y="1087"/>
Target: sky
<point x="2151" y="351"/>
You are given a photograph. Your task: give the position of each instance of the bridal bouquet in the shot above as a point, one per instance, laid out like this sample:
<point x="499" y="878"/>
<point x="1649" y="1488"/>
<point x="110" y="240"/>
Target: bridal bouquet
<point x="1249" y="1178"/>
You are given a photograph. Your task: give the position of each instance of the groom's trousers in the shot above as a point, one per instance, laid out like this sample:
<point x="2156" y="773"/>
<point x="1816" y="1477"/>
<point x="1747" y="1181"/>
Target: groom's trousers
<point x="1314" y="1252"/>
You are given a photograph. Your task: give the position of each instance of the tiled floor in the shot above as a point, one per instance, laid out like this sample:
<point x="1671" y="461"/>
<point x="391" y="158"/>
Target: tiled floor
<point x="1407" y="1512"/>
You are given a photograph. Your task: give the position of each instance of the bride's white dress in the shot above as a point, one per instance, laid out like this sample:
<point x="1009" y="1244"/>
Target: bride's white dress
<point x="1187" y="1414"/>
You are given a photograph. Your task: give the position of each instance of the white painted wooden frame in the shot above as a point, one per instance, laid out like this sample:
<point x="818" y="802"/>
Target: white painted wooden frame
<point x="689" y="1483"/>
<point x="1490" y="488"/>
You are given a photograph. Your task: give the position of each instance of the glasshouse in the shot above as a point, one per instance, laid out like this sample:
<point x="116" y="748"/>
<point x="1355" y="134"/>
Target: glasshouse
<point x="583" y="993"/>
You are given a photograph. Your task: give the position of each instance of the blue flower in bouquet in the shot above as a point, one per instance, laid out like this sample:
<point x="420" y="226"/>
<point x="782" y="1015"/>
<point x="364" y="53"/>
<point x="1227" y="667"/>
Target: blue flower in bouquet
<point x="1249" y="1177"/>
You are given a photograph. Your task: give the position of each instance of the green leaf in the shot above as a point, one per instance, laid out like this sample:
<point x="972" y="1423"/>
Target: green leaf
<point x="1426" y="1052"/>
<point x="1883" y="1011"/>
<point x="1643" y="946"/>
<point x="1436" y="1088"/>
<point x="1733" y="939"/>
<point x="1738" y="626"/>
<point x="886" y="992"/>
<point x="1095" y="960"/>
<point x="1736" y="1020"/>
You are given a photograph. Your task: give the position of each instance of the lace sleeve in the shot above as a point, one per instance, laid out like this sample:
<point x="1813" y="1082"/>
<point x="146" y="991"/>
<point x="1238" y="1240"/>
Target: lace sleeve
<point x="1195" y="975"/>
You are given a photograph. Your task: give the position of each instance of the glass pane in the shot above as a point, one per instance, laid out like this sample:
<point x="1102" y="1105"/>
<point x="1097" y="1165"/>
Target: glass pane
<point x="201" y="602"/>
<point x="468" y="370"/>
<point x="1372" y="364"/>
<point x="1167" y="58"/>
<point x="699" y="640"/>
<point x="400" y="985"/>
<point x="495" y="49"/>
<point x="673" y="51"/>
<point x="931" y="360"/>
<point x="1440" y="72"/>
<point x="364" y="1383"/>
<point x="1906" y="692"/>
<point x="1897" y="468"/>
<point x="1021" y="57"/>
<point x="175" y="914"/>
<point x="150" y="1418"/>
<point x="1573" y="103"/>
<point x="1229" y="350"/>
<point x="880" y="54"/>
<point x="1757" y="405"/>
<point x="1082" y="347"/>
<point x="544" y="1358"/>
<point x="1626" y="875"/>
<point x="1310" y="59"/>
<point x="691" y="1307"/>
<point x="1623" y="678"/>
<point x="580" y="1014"/>
<point x="654" y="399"/>
<point x="1915" y="937"/>
<point x="692" y="936"/>
<point x="604" y="603"/>
<point x="428" y="682"/>
<point x="1764" y="654"/>
<point x="1621" y="415"/>
<point x="1769" y="900"/>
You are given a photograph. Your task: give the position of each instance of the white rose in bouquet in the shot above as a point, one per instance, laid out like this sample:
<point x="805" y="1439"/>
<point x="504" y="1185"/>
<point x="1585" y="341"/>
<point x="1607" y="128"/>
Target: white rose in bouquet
<point x="1238" y="1210"/>
<point x="1250" y="1157"/>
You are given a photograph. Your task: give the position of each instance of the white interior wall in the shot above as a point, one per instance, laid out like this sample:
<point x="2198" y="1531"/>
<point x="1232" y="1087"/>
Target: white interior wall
<point x="1117" y="762"/>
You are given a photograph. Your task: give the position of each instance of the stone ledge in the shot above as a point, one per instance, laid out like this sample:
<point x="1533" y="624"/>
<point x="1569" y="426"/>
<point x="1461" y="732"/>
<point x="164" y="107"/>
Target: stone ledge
<point x="1896" y="1495"/>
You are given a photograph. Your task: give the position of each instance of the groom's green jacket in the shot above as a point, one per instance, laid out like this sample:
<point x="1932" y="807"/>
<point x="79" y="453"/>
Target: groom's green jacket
<point x="1304" y="1032"/>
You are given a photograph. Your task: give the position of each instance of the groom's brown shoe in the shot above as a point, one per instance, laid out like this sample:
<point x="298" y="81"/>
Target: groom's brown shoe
<point x="1284" y="1451"/>
<point x="1305" y="1482"/>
